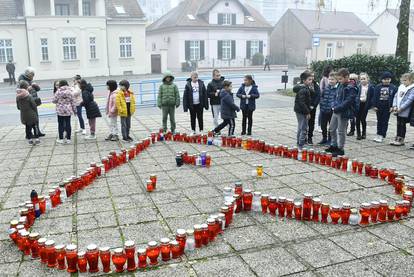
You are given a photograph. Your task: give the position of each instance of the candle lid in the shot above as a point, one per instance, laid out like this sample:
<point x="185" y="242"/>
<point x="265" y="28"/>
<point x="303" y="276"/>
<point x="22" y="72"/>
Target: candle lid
<point x="346" y="205"/>
<point x="228" y="203"/>
<point x="214" y="216"/>
<point x="118" y="251"/>
<point x="198" y="226"/>
<point x="307" y="195"/>
<point x="257" y="193"/>
<point x="33" y="235"/>
<point x="227" y="189"/>
<point x="408" y="193"/>
<point x="81" y="253"/>
<point x="391" y="208"/>
<point x="29" y="206"/>
<point x="153" y="175"/>
<point x="317" y="200"/>
<point x="174" y="242"/>
<point x="20" y="227"/>
<point x="190" y="232"/>
<point x="272" y="198"/>
<point x="224" y="209"/>
<point x="69" y="247"/>
<point x="41" y="197"/>
<point x="290" y="200"/>
<point x="129" y="243"/>
<point x="265" y="195"/>
<point x="383" y="202"/>
<point x="180" y="232"/>
<point x="211" y="220"/>
<point x="365" y="205"/>
<point x="50" y="242"/>
<point x="41" y="241"/>
<point x="204" y="226"/>
<point x="236" y="196"/>
<point x="406" y="202"/>
<point x="11" y="231"/>
<point x="91" y="247"/>
<point x="153" y="243"/>
<point x="375" y="203"/>
<point x="165" y="240"/>
<point x="14" y="222"/>
<point x="354" y="211"/>
<point x="51" y="191"/>
<point x="238" y="184"/>
<point x="104" y="249"/>
<point x="336" y="207"/>
<point x="24" y="211"/>
<point x="60" y="247"/>
<point x="282" y="199"/>
<point x="149" y="182"/>
<point x="247" y="191"/>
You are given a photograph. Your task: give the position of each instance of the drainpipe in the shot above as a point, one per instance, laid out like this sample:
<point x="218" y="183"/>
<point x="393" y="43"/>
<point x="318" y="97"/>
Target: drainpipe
<point x="27" y="39"/>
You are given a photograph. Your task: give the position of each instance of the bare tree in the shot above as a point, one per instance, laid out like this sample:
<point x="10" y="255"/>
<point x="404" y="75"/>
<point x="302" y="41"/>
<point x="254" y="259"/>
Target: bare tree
<point x="403" y="30"/>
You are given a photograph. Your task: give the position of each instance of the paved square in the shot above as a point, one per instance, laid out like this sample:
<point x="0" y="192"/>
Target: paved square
<point x="117" y="207"/>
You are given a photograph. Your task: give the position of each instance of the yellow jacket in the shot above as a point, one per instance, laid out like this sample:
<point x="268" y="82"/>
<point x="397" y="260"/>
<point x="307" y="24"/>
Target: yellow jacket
<point x="121" y="105"/>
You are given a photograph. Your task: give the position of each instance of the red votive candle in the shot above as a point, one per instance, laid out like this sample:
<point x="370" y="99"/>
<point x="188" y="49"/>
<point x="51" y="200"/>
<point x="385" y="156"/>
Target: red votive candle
<point x="272" y="205"/>
<point x="51" y="253"/>
<point x="247" y="199"/>
<point x="105" y="256"/>
<point x="382" y="213"/>
<point x="165" y="249"/>
<point x="71" y="258"/>
<point x="181" y="237"/>
<point x="34" y="245"/>
<point x="374" y="211"/>
<point x="307" y="206"/>
<point x="175" y="249"/>
<point x="365" y="211"/>
<point x="297" y="208"/>
<point x="281" y="206"/>
<point x="142" y="257"/>
<point x="264" y="202"/>
<point x="60" y="256"/>
<point x="335" y="214"/>
<point x="153" y="251"/>
<point x="198" y="235"/>
<point x="289" y="208"/>
<point x="316" y="205"/>
<point x="345" y="213"/>
<point x="82" y="261"/>
<point x="119" y="260"/>
<point x="205" y="234"/>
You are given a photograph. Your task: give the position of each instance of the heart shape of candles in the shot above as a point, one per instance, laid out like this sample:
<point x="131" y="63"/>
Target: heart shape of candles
<point x="236" y="200"/>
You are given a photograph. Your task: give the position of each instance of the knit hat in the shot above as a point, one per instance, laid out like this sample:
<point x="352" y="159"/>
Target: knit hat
<point x="386" y="75"/>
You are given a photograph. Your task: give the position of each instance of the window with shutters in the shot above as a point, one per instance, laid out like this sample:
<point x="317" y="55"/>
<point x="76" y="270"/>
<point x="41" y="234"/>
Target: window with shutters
<point x="44" y="49"/>
<point x="69" y="49"/>
<point x="194" y="50"/>
<point x="226" y="50"/>
<point x="125" y="45"/>
<point x="6" y="50"/>
<point x="254" y="47"/>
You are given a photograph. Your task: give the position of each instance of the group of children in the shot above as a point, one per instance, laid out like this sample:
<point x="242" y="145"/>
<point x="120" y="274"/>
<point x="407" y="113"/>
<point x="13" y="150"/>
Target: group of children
<point x="348" y="97"/>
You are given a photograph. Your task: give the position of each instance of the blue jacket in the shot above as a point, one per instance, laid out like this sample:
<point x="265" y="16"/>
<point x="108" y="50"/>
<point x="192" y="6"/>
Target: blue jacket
<point x="406" y="103"/>
<point x="344" y="103"/>
<point x="228" y="108"/>
<point x="248" y="104"/>
<point x="328" y="98"/>
<point x="381" y="100"/>
<point x="370" y="96"/>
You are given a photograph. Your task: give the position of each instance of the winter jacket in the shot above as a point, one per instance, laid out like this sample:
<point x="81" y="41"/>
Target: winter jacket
<point x="111" y="110"/>
<point x="302" y="99"/>
<point x="121" y="104"/>
<point x="370" y="96"/>
<point x="35" y="96"/>
<point x="406" y="102"/>
<point x="77" y="95"/>
<point x="315" y="94"/>
<point x="344" y="103"/>
<point x="23" y="77"/>
<point x="248" y="104"/>
<point x="328" y="98"/>
<point x="168" y="94"/>
<point x="188" y="95"/>
<point x="323" y="84"/>
<point x="228" y="108"/>
<point x="10" y="68"/>
<point x="91" y="107"/>
<point x="63" y="98"/>
<point x="27" y="106"/>
<point x="382" y="101"/>
<point x="212" y="88"/>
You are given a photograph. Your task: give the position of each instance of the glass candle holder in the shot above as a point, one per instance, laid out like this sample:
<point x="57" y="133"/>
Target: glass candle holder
<point x="238" y="188"/>
<point x="42" y="250"/>
<point x="365" y="212"/>
<point x="399" y="209"/>
<point x="82" y="261"/>
<point x="227" y="217"/>
<point x="105" y="256"/>
<point x="51" y="253"/>
<point x="311" y="155"/>
<point x="239" y="203"/>
<point x="391" y="213"/>
<point x="205" y="233"/>
<point x="142" y="257"/>
<point x="150" y="186"/>
<point x="180" y="236"/>
<point x="360" y="167"/>
<point x="256" y="204"/>
<point x="247" y="199"/>
<point x="335" y="214"/>
<point x="316" y="205"/>
<point x="289" y="208"/>
<point x="153" y="179"/>
<point x="375" y="205"/>
<point x="345" y="213"/>
<point x="25" y="242"/>
<point x="368" y="168"/>
<point x="119" y="260"/>
<point x="211" y="223"/>
<point x="354" y="217"/>
<point x="175" y="249"/>
<point x="190" y="242"/>
<point x="297" y="208"/>
<point x="34" y="245"/>
<point x="259" y="170"/>
<point x="398" y="185"/>
<point x="281" y="206"/>
<point x="198" y="235"/>
<point x="14" y="235"/>
<point x="60" y="256"/>
<point x="382" y="213"/>
<point x="264" y="203"/>
<point x="383" y="173"/>
<point x="272" y="205"/>
<point x="71" y="258"/>
<point x="407" y="207"/>
<point x="307" y="206"/>
<point x="153" y="251"/>
<point x="165" y="249"/>
<point x="129" y="248"/>
<point x="304" y="155"/>
<point x="374" y="172"/>
<point x="354" y="166"/>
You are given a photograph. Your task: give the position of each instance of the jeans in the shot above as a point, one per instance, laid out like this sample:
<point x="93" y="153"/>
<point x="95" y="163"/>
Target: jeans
<point x="29" y="134"/>
<point x="168" y="111"/>
<point x="64" y="126"/>
<point x="196" y="112"/>
<point x="113" y="125"/>
<point x="247" y="117"/>
<point x="79" y="114"/>
<point x="302" y="129"/>
<point x="125" y="126"/>
<point x="232" y="125"/>
<point x="266" y="66"/>
<point x="401" y="126"/>
<point x="216" y="110"/>
<point x="92" y="125"/>
<point x="383" y="117"/>
<point x="361" y="119"/>
<point x="325" y="120"/>
<point x="311" y="123"/>
<point x="337" y="129"/>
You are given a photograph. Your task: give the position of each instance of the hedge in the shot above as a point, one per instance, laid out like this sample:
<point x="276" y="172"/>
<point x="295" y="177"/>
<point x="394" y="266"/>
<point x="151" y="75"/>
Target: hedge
<point x="373" y="65"/>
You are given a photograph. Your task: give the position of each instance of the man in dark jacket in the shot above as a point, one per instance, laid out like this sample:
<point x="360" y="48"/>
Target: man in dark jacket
<point x="315" y="93"/>
<point x="11" y="68"/>
<point x="343" y="110"/>
<point x="195" y="99"/>
<point x="213" y="92"/>
<point x="303" y="107"/>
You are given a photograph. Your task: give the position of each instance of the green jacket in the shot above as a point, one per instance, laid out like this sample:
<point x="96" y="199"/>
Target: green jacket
<point x="168" y="94"/>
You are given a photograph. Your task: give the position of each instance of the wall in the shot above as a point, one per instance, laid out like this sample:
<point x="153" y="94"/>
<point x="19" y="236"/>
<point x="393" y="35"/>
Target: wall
<point x="15" y="31"/>
<point x="233" y="7"/>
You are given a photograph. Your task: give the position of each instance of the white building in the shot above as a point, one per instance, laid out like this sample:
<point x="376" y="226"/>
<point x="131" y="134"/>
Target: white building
<point x="61" y="38"/>
<point x="385" y="25"/>
<point x="154" y="9"/>
<point x="211" y="33"/>
<point x="273" y="10"/>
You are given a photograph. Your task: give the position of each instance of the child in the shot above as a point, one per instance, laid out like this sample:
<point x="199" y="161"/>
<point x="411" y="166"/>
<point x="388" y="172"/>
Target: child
<point x="248" y="93"/>
<point x="353" y="79"/>
<point x="364" y="98"/>
<point x="213" y="92"/>
<point x="168" y="100"/>
<point x="111" y="110"/>
<point x="402" y="106"/>
<point x="343" y="110"/>
<point x="195" y="99"/>
<point x="228" y="109"/>
<point x="125" y="105"/>
<point x="303" y="107"/>
<point x="382" y="103"/>
<point x="92" y="109"/>
<point x="315" y="94"/>
<point x="28" y="111"/>
<point x="65" y="107"/>
<point x="327" y="102"/>
<point x="77" y="96"/>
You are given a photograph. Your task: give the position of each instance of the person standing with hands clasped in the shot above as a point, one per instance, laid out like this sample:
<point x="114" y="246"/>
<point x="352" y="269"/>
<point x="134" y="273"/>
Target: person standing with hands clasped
<point x="303" y="107"/>
<point x="382" y="104"/>
<point x="125" y="105"/>
<point x="213" y="92"/>
<point x="28" y="112"/>
<point x="168" y="100"/>
<point x="228" y="109"/>
<point x="195" y="99"/>
<point x="343" y="110"/>
<point x="248" y="93"/>
<point x="65" y="108"/>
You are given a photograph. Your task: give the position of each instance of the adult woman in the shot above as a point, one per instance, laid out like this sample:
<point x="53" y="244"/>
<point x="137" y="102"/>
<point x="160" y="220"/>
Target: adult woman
<point x="195" y="99"/>
<point x="65" y="107"/>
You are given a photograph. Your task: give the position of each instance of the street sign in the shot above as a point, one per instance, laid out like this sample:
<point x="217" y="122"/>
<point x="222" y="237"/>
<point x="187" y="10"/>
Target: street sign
<point x="316" y="41"/>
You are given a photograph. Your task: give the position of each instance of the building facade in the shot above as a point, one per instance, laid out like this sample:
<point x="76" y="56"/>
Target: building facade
<point x="273" y="10"/>
<point x="61" y="38"/>
<point x="219" y="33"/>
<point x="154" y="9"/>
<point x="385" y="25"/>
<point x="303" y="36"/>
